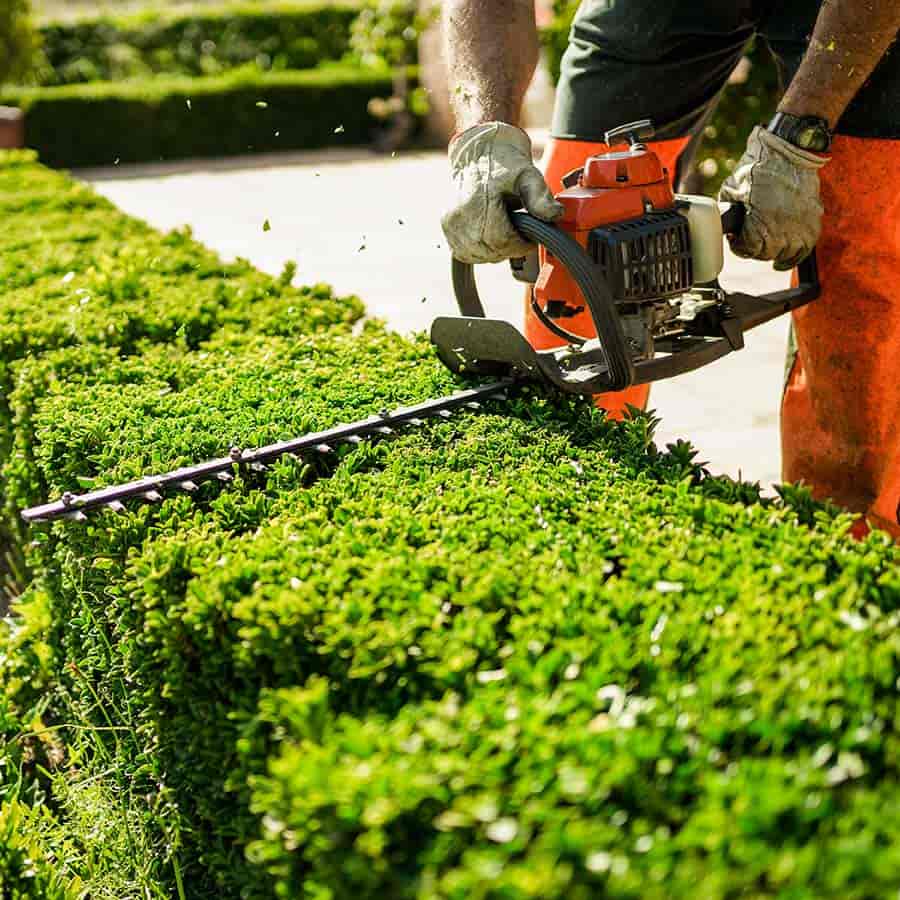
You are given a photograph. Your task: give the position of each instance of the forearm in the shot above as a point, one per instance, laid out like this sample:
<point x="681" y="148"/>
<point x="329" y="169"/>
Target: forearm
<point x="491" y="52"/>
<point x="849" y="39"/>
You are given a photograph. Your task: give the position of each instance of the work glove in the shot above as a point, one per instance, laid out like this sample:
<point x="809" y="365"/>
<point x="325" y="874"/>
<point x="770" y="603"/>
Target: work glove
<point x="779" y="185"/>
<point x="492" y="164"/>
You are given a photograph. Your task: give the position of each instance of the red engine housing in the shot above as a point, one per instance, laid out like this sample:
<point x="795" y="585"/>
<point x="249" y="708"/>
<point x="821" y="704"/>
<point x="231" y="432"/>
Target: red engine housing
<point x="612" y="187"/>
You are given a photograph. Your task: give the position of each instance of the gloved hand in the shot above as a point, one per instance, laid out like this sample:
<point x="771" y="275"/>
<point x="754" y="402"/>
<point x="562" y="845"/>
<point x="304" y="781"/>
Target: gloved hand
<point x="490" y="164"/>
<point x="779" y="185"/>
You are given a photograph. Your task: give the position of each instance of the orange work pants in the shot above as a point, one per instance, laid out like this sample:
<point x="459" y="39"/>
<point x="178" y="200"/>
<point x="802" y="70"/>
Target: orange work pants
<point x="840" y="416"/>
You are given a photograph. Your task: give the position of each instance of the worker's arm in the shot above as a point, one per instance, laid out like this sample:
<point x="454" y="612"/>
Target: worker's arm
<point x="777" y="180"/>
<point x="849" y="40"/>
<point x="491" y="51"/>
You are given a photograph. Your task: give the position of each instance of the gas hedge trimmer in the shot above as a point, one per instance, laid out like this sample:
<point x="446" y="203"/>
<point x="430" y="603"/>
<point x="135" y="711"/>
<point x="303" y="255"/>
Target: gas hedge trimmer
<point x="626" y="282"/>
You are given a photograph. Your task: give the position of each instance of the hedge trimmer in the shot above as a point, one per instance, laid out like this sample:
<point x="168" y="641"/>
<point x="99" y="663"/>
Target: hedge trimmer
<point x="626" y="285"/>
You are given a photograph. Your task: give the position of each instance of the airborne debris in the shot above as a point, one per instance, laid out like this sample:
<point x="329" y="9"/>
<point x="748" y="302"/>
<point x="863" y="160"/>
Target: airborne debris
<point x="261" y="104"/>
<point x="339" y="129"/>
<point x="188" y="104"/>
<point x="668" y="587"/>
<point x="502" y="831"/>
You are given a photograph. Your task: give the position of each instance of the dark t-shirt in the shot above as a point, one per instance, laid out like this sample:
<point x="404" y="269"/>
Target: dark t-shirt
<point x="668" y="61"/>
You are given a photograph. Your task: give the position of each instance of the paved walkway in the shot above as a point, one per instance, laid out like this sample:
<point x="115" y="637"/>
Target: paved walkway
<point x="370" y="225"/>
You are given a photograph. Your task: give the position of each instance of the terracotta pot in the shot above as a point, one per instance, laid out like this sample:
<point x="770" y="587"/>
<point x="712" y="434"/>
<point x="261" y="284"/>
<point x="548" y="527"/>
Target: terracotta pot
<point x="12" y="128"/>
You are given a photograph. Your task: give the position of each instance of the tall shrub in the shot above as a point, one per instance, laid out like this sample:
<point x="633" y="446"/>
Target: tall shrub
<point x="387" y="33"/>
<point x="17" y="40"/>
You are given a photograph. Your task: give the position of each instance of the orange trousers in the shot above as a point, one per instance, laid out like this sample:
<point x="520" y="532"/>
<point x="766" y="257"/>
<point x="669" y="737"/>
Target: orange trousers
<point x="840" y="422"/>
<point x="840" y="416"/>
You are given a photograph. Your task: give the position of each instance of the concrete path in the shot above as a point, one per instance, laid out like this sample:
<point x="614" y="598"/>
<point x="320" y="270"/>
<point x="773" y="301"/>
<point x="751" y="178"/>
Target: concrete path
<point x="369" y="225"/>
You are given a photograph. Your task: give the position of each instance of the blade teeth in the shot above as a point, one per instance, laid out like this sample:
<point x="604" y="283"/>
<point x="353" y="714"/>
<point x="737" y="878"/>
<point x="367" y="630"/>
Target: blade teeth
<point x="74" y="506"/>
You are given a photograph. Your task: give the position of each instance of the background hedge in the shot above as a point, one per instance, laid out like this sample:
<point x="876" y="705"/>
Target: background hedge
<point x="205" y="41"/>
<point x="515" y="654"/>
<point x="101" y="123"/>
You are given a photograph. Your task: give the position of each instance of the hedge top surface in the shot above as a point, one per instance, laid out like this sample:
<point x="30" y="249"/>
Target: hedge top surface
<point x="74" y="270"/>
<point x="165" y="86"/>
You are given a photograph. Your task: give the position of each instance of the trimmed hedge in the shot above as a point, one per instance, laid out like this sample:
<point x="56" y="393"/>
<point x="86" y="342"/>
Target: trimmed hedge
<point x="514" y="654"/>
<point x="102" y="123"/>
<point x="75" y="271"/>
<point x="207" y="40"/>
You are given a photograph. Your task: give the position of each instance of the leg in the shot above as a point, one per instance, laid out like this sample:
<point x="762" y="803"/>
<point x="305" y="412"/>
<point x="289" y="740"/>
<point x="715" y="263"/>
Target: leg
<point x="618" y="57"/>
<point x="841" y="409"/>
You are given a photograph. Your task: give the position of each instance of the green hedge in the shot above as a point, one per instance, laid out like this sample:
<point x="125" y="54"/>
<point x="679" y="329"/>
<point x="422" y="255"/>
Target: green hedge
<point x="514" y="654"/>
<point x="102" y="123"/>
<point x="205" y="41"/>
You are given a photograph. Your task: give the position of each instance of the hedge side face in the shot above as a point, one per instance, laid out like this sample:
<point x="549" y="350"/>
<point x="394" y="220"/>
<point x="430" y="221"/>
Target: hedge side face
<point x="514" y="654"/>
